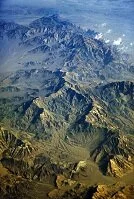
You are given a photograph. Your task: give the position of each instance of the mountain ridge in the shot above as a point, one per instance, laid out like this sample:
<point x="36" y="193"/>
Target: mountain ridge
<point x="66" y="103"/>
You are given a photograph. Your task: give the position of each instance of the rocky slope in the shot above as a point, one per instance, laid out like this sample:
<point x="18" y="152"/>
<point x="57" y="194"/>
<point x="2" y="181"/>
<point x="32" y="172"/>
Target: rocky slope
<point x="60" y="44"/>
<point x="66" y="104"/>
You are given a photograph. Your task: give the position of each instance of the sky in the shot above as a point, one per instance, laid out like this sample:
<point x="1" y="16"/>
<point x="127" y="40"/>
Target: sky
<point x="30" y="2"/>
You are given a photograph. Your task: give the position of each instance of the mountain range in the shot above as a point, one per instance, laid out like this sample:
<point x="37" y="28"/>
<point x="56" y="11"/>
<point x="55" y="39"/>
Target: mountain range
<point x="67" y="112"/>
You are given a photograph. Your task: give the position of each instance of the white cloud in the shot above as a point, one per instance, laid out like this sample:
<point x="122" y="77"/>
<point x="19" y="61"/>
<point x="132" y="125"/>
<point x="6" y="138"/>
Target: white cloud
<point x="99" y="36"/>
<point x="109" y="31"/>
<point x="107" y="41"/>
<point x="117" y="42"/>
<point x="103" y="25"/>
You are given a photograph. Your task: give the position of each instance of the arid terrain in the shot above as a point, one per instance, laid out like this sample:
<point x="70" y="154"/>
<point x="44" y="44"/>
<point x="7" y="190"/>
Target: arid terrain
<point x="66" y="113"/>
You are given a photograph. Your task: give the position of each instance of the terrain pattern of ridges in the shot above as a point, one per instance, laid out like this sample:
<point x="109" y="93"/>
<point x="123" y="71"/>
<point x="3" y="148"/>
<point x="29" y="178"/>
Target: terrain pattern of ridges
<point x="61" y="45"/>
<point x="66" y="113"/>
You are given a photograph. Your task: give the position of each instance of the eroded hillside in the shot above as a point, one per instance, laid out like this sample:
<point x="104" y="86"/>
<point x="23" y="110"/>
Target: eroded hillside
<point x="66" y="113"/>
